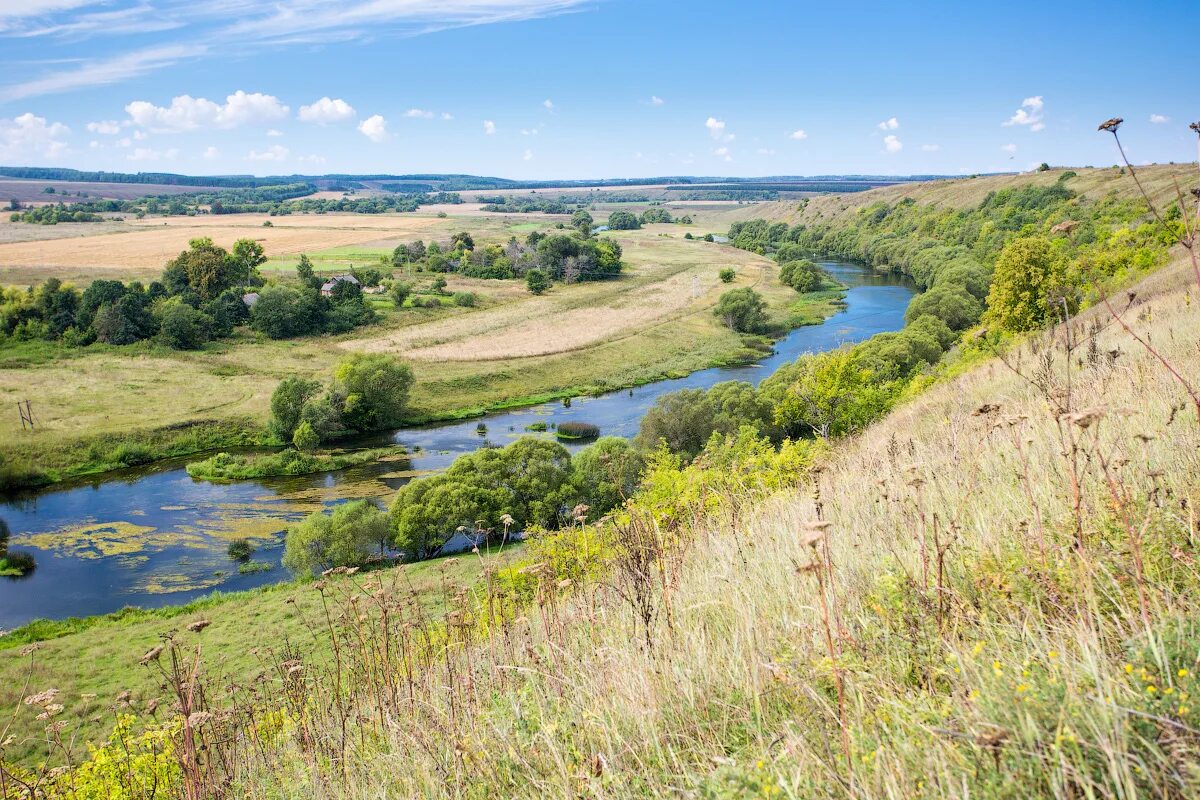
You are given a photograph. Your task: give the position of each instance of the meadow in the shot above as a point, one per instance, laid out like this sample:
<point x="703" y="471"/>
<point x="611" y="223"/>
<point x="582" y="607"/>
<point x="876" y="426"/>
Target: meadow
<point x="655" y="321"/>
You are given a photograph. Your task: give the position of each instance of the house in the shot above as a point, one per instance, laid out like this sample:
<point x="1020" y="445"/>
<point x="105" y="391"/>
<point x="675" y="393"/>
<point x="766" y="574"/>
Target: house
<point x="328" y="286"/>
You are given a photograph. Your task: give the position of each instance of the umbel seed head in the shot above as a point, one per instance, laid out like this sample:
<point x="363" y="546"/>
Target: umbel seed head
<point x="1110" y="125"/>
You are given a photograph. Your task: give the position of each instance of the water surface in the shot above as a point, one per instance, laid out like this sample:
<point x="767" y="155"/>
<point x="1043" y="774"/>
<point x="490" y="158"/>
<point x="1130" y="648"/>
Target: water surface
<point x="154" y="536"/>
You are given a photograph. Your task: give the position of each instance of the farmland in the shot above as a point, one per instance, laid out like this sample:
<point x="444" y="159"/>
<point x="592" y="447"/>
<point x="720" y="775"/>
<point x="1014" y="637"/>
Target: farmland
<point x="654" y="321"/>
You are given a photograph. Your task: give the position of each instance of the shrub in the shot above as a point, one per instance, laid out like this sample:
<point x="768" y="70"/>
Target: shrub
<point x="374" y="390"/>
<point x="464" y="299"/>
<point x="623" y="221"/>
<point x="400" y="292"/>
<point x="182" y="327"/>
<point x="345" y="538"/>
<point x="306" y="438"/>
<point x="727" y="275"/>
<point x="537" y="427"/>
<point x="240" y="550"/>
<point x="802" y="275"/>
<point x="1028" y="285"/>
<point x="537" y="281"/>
<point x="606" y="474"/>
<point x="287" y="403"/>
<point x="577" y="430"/>
<point x="950" y="303"/>
<point x="742" y="310"/>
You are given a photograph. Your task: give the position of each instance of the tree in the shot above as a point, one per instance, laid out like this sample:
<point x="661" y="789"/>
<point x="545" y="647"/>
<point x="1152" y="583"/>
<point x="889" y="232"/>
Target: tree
<point x="829" y="394"/>
<point x="283" y="312"/>
<point x="306" y="273"/>
<point x="582" y="221"/>
<point x="400" y="292"/>
<point x="742" y="310"/>
<point x="125" y="321"/>
<point x="462" y="241"/>
<point x="623" y="221"/>
<point x="727" y="275"/>
<point x="605" y="474"/>
<point x="1029" y="285"/>
<point x="305" y="438"/>
<point x="802" y="275"/>
<point x="205" y="268"/>
<point x="182" y="327"/>
<point x="536" y="281"/>
<point x="374" y="390"/>
<point x="345" y="538"/>
<point x="685" y="420"/>
<point x="951" y="303"/>
<point x="287" y="403"/>
<point x="247" y="256"/>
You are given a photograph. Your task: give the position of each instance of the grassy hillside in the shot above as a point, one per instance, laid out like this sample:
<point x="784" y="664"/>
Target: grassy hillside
<point x="1091" y="183"/>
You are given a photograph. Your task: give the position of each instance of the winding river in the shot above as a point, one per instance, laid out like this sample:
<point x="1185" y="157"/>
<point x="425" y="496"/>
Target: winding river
<point x="154" y="536"/>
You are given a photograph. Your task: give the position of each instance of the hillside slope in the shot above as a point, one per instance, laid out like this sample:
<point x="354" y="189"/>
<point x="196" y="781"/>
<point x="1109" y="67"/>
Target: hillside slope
<point x="990" y="593"/>
<point x="1160" y="181"/>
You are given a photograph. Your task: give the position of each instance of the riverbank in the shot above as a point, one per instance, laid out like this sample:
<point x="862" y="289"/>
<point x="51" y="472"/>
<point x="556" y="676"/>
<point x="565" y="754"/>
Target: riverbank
<point x="444" y="393"/>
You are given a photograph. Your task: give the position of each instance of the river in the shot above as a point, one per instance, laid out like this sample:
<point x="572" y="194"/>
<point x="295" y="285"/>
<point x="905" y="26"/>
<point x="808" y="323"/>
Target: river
<point x="154" y="536"/>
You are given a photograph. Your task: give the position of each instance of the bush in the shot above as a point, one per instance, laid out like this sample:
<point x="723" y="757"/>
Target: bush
<point x="346" y="538"/>
<point x="802" y="275"/>
<point x="726" y="275"/>
<point x="952" y="304"/>
<point x="306" y="438"/>
<point x="182" y="327"/>
<point x="606" y="474"/>
<point x="373" y="388"/>
<point x="685" y="420"/>
<point x="464" y="299"/>
<point x="240" y="550"/>
<point x="537" y="281"/>
<point x="742" y="310"/>
<point x="400" y="291"/>
<point x="287" y="403"/>
<point x="282" y="312"/>
<point x="577" y="430"/>
<point x="623" y="221"/>
<point x="1029" y="285"/>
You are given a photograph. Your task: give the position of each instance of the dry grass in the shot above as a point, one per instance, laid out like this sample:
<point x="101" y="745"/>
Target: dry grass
<point x="970" y="669"/>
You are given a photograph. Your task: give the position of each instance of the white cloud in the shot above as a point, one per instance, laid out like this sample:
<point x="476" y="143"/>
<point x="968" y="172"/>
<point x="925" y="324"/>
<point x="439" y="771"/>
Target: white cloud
<point x="140" y="136"/>
<point x="529" y="131"/>
<point x="655" y="100"/>
<point x="211" y="153"/>
<point x="891" y="144"/>
<point x="326" y="111"/>
<point x="273" y="132"/>
<point x="418" y="113"/>
<point x="108" y="127"/>
<point x="1159" y="119"/>
<point x="1008" y="148"/>
<point x="148" y="154"/>
<point x="28" y="137"/>
<point x="189" y="113"/>
<point x="723" y="153"/>
<point x="528" y="155"/>
<point x="931" y="148"/>
<point x="312" y="158"/>
<point x="447" y="115"/>
<point x="374" y="128"/>
<point x="275" y="152"/>
<point x="799" y="135"/>
<point x="889" y="124"/>
<point x="1029" y="114"/>
<point x="489" y="127"/>
<point x="548" y="103"/>
<point x="716" y="127"/>
<point x="102" y="72"/>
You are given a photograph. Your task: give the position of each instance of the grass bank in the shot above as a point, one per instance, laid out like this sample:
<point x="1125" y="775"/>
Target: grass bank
<point x="231" y="467"/>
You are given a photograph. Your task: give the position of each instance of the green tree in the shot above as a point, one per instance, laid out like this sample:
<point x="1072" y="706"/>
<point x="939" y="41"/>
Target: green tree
<point x="605" y="474"/>
<point x="582" y="221"/>
<point x="829" y="394"/>
<point x="623" y="221"/>
<point x="182" y="327"/>
<point x="802" y="275"/>
<point x="400" y="292"/>
<point x="685" y="420"/>
<point x="283" y="312"/>
<point x="462" y="241"/>
<point x="374" y="390"/>
<point x="306" y="274"/>
<point x="248" y="255"/>
<point x="345" y="538"/>
<point x="951" y="303"/>
<point x="205" y="268"/>
<point x="305" y="438"/>
<point x="287" y="403"/>
<point x="1029" y="285"/>
<point x="742" y="310"/>
<point x="727" y="275"/>
<point x="537" y="281"/>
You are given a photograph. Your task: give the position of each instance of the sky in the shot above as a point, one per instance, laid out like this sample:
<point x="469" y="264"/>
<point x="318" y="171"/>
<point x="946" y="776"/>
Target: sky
<point x="545" y="89"/>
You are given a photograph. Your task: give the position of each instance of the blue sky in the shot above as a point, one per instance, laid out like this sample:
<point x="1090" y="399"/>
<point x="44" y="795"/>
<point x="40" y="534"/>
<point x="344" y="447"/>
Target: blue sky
<point x="595" y="88"/>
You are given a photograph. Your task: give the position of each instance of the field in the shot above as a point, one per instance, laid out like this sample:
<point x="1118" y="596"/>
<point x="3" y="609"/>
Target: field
<point x="654" y="321"/>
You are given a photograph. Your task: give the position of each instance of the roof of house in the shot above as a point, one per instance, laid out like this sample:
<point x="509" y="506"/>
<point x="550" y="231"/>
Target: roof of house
<point x="336" y="279"/>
